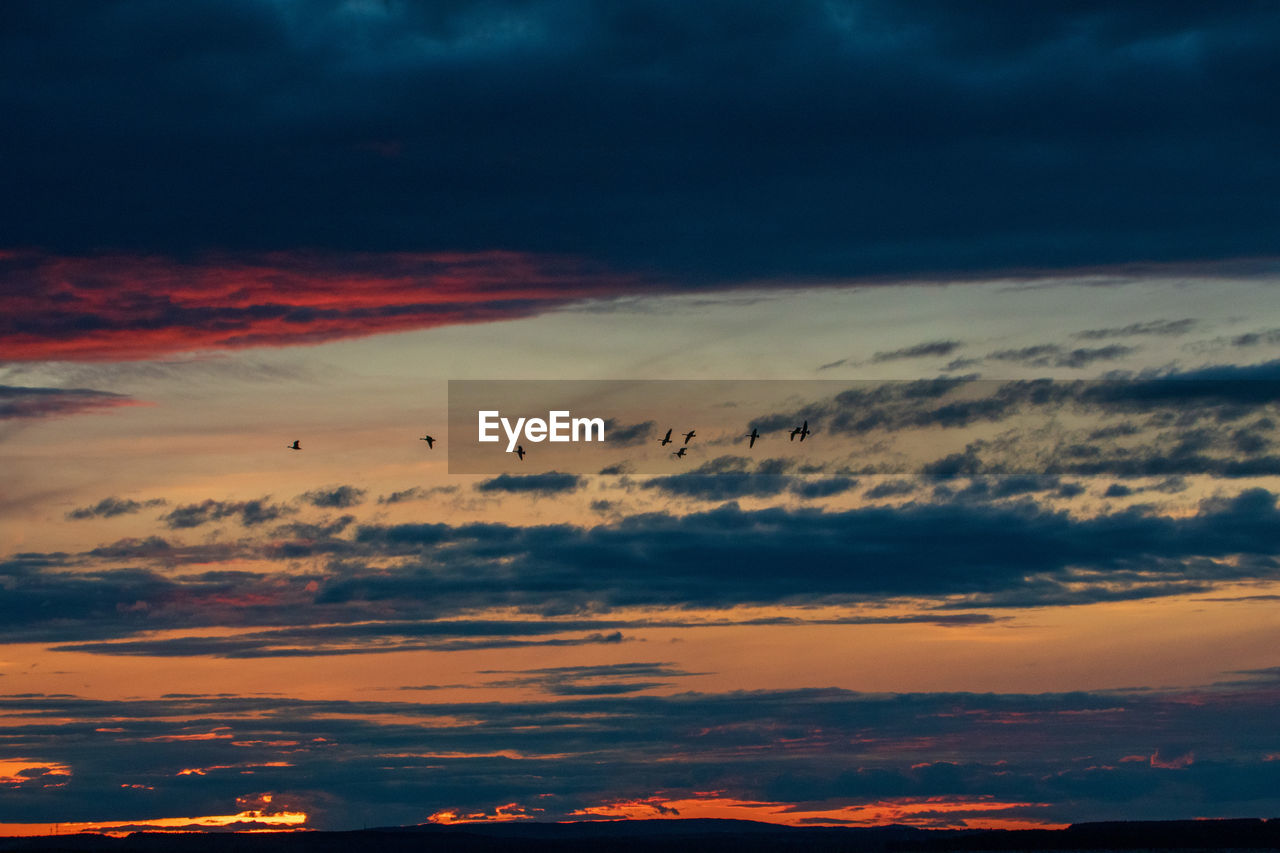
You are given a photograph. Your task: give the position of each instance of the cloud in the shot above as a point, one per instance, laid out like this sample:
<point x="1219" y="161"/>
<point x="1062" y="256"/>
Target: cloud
<point x="890" y="488"/>
<point x="600" y="680"/>
<point x="925" y="350"/>
<point x="825" y="487"/>
<point x="1163" y="328"/>
<point x="357" y="636"/>
<point x="416" y="493"/>
<point x="732" y="477"/>
<point x="1202" y="751"/>
<point x="111" y="507"/>
<point x="21" y="403"/>
<point x="341" y="497"/>
<point x="249" y="513"/>
<point x="627" y="435"/>
<point x="121" y="307"/>
<point x="399" y="580"/>
<point x="1052" y="355"/>
<point x="271" y="646"/>
<point x="1214" y="420"/>
<point x="724" y="478"/>
<point x="549" y="483"/>
<point x="1250" y="339"/>
<point x="653" y="150"/>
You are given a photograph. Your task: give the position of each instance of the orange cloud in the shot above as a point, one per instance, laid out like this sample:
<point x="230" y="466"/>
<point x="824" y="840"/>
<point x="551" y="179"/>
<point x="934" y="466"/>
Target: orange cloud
<point x="15" y="772"/>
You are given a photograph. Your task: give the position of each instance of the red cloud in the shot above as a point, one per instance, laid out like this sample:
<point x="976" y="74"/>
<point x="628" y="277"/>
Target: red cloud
<point x="122" y="307"/>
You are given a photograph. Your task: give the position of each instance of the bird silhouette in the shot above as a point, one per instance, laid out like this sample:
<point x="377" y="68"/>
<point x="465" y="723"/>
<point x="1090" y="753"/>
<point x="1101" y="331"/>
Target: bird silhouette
<point x="520" y="451"/>
<point x="430" y="440"/>
<point x="688" y="435"/>
<point x="666" y="439"/>
<point x="679" y="454"/>
<point x="802" y="431"/>
<point x="297" y="445"/>
<point x="753" y="435"/>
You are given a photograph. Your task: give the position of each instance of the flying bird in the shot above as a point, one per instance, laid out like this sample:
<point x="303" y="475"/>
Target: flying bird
<point x="666" y="439"/>
<point x="688" y="435"/>
<point x="753" y="435"/>
<point x="430" y="440"/>
<point x="520" y="451"/>
<point x="679" y="454"/>
<point x="296" y="446"/>
<point x="802" y="431"/>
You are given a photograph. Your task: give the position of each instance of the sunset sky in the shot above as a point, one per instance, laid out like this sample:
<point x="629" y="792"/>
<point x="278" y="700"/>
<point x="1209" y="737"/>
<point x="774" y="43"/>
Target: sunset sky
<point x="230" y="224"/>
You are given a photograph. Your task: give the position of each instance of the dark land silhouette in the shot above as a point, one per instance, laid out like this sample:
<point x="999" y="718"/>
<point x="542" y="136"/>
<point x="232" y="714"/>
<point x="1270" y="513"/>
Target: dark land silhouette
<point x="703" y="836"/>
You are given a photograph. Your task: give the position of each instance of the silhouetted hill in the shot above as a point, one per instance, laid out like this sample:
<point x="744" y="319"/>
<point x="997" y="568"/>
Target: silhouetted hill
<point x="700" y="836"/>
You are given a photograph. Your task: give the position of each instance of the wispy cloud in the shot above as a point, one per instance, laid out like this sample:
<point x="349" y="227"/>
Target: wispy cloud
<point x="20" y="402"/>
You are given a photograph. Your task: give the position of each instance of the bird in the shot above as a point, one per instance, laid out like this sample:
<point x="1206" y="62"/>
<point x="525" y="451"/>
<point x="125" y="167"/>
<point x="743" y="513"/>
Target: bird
<point x="297" y="445"/>
<point x="679" y="454"/>
<point x="802" y="431"/>
<point x="430" y="440"/>
<point x="520" y="451"/>
<point x="688" y="435"/>
<point x="753" y="435"/>
<point x="666" y="439"/>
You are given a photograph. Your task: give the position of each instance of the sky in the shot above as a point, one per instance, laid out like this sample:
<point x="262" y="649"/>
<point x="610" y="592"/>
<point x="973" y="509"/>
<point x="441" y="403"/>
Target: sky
<point x="1015" y="264"/>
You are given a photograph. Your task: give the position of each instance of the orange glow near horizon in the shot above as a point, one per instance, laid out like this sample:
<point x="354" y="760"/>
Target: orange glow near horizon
<point x="254" y="821"/>
<point x="502" y="814"/>
<point x="928" y="812"/>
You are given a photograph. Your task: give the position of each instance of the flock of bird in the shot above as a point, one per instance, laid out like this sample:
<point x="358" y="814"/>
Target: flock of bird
<point x="801" y="431"/>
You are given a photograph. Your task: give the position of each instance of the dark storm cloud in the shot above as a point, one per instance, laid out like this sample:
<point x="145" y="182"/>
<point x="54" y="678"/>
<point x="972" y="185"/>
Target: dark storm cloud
<point x="550" y="483"/>
<point x="111" y="507"/>
<point x="21" y="402"/>
<point x="1077" y="755"/>
<point x="341" y="497"/>
<point x="786" y="137"/>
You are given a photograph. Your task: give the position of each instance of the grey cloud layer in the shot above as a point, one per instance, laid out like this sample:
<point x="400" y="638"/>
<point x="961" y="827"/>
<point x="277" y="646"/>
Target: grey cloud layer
<point x="400" y="577"/>
<point x="1109" y="755"/>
